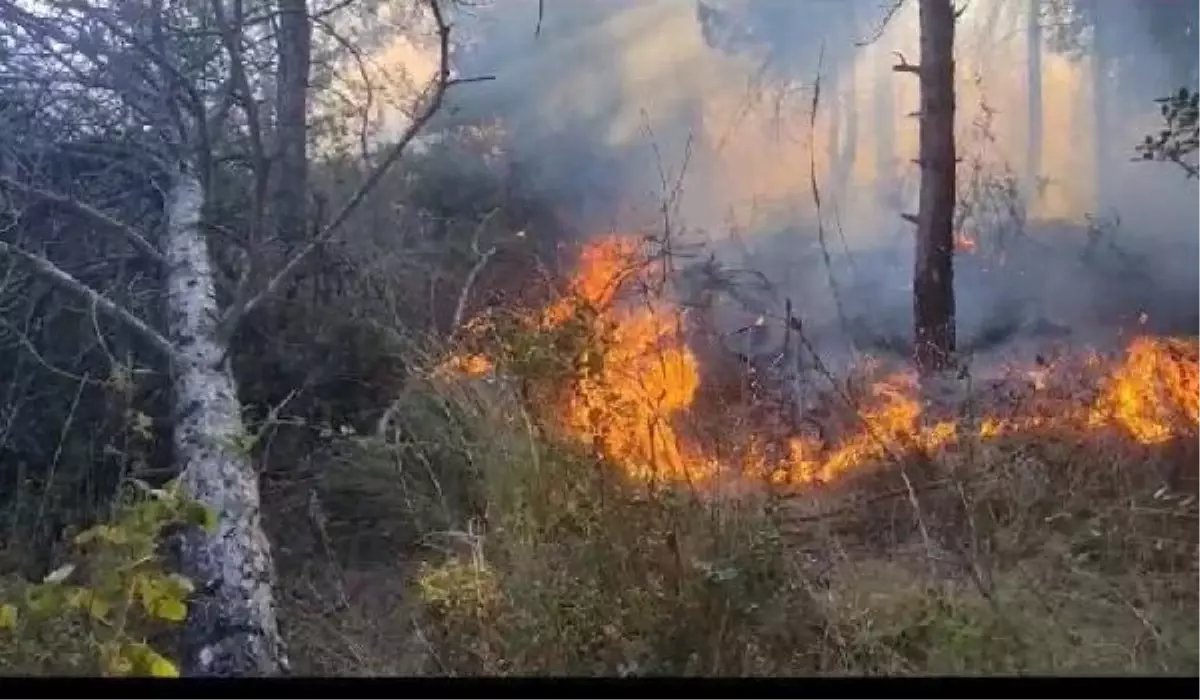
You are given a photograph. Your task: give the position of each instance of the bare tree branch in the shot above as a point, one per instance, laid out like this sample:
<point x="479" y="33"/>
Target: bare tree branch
<point x="481" y="261"/>
<point x="64" y="280"/>
<point x="136" y="239"/>
<point x="883" y="24"/>
<point x="442" y="83"/>
<point x="240" y="82"/>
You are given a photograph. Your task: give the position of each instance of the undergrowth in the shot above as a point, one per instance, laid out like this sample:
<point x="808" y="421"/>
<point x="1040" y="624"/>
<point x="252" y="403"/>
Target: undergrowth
<point x="104" y="610"/>
<point x="1028" y="552"/>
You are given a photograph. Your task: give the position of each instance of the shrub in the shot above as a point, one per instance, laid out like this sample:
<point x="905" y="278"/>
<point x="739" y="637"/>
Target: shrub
<point x="95" y="614"/>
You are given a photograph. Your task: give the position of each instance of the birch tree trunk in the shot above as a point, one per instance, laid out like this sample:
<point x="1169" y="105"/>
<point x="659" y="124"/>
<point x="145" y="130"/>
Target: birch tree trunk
<point x="231" y="628"/>
<point x="933" y="277"/>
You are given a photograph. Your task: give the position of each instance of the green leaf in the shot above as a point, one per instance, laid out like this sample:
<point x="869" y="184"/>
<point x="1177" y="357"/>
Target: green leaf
<point x="98" y="608"/>
<point x="105" y="533"/>
<point x="8" y="616"/>
<point x="45" y="600"/>
<point x="148" y="661"/>
<point x="160" y="666"/>
<point x="196" y="513"/>
<point x="170" y="609"/>
<point x="148" y="591"/>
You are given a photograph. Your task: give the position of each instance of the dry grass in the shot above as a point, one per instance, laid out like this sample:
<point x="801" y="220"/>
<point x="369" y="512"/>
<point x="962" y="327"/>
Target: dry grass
<point x="1036" y="550"/>
<point x="1042" y="520"/>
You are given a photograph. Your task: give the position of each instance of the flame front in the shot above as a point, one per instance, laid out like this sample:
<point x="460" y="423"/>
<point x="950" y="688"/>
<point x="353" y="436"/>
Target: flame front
<point x="627" y="399"/>
<point x="633" y="393"/>
<point x="1155" y="389"/>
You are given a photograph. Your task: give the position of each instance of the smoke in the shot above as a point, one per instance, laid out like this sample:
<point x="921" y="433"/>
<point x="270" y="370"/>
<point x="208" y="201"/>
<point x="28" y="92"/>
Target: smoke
<point x="610" y="105"/>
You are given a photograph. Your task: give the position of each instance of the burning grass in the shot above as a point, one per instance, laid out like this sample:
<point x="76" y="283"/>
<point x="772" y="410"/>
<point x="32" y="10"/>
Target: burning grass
<point x="1048" y="524"/>
<point x="630" y="391"/>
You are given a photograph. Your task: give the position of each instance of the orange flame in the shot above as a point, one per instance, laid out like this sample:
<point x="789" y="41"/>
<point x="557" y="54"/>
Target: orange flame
<point x="630" y="398"/>
<point x="626" y="402"/>
<point x="1156" y="388"/>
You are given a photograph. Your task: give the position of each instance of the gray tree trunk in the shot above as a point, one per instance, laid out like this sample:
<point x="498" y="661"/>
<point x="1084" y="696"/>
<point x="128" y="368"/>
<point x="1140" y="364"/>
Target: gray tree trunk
<point x="231" y="628"/>
<point x="289" y="198"/>
<point x="933" y="277"/>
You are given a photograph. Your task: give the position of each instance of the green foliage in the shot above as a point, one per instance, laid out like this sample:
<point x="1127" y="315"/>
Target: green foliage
<point x="1179" y="137"/>
<point x="550" y="355"/>
<point x="931" y="630"/>
<point x="93" y="615"/>
<point x="581" y="573"/>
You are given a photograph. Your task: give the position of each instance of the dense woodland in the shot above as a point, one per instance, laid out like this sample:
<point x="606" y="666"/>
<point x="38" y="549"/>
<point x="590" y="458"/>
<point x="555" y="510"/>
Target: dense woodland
<point x="285" y="392"/>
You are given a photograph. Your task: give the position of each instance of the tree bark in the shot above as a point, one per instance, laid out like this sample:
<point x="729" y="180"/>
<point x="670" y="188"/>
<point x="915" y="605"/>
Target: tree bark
<point x="231" y="628"/>
<point x="1033" y="85"/>
<point x="289" y="197"/>
<point x="933" y="278"/>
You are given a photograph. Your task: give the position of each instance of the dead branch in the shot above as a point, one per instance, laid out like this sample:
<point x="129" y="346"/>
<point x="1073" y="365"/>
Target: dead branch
<point x="231" y="40"/>
<point x="481" y="262"/>
<point x="910" y="490"/>
<point x="365" y="105"/>
<point x="904" y="66"/>
<point x="66" y="281"/>
<point x="136" y="239"/>
<point x="883" y="24"/>
<point x="816" y="195"/>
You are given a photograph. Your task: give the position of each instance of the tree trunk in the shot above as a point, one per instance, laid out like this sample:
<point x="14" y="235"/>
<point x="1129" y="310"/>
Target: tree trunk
<point x="933" y="278"/>
<point x="289" y="198"/>
<point x="1033" y="86"/>
<point x="231" y="627"/>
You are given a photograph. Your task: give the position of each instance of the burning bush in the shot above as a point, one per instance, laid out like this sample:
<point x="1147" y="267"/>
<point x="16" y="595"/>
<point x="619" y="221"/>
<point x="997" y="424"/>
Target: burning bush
<point x="625" y="382"/>
<point x="994" y="538"/>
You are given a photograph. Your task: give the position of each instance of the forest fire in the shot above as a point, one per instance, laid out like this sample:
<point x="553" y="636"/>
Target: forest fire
<point x="636" y="386"/>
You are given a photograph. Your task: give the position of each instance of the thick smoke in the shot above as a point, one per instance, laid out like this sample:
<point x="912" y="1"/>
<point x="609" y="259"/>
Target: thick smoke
<point x="608" y="104"/>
